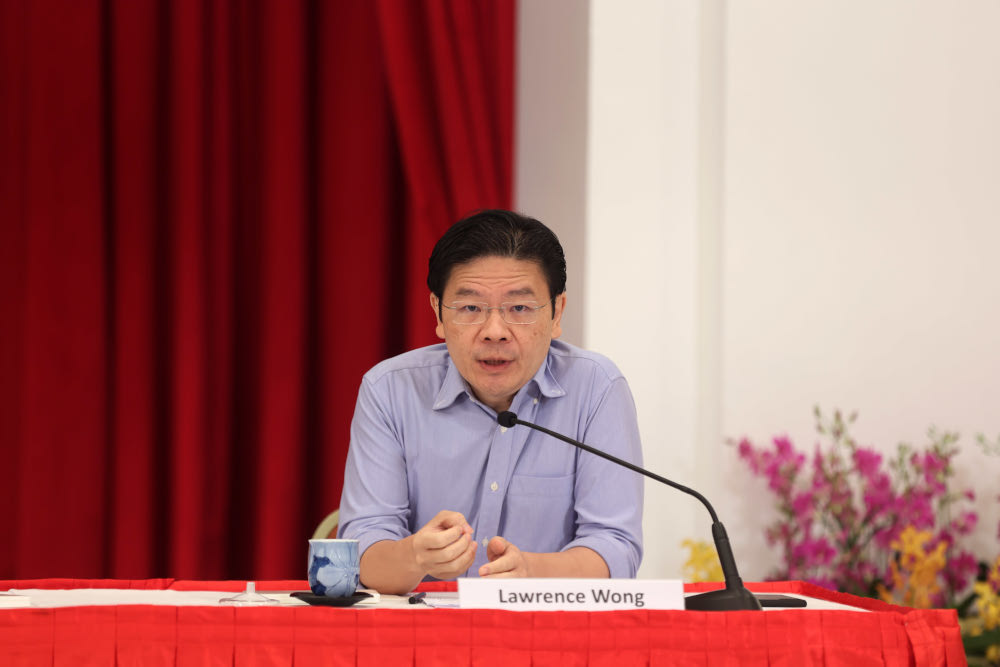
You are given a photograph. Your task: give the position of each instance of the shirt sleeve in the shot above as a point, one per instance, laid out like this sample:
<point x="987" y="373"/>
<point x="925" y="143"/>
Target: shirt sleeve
<point x="609" y="497"/>
<point x="374" y="505"/>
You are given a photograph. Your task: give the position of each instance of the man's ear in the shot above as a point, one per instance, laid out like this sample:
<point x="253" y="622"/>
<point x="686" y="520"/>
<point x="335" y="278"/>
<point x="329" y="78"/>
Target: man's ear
<point x="560" y="306"/>
<point x="435" y="306"/>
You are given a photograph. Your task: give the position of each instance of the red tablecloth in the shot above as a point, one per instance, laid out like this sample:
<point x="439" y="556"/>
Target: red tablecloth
<point x="305" y="636"/>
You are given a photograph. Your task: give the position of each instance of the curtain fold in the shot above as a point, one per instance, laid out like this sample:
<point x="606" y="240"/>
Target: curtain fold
<point x="456" y="139"/>
<point x="216" y="217"/>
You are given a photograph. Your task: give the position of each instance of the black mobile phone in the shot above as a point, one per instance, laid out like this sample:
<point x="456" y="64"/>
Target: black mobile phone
<point x="779" y="600"/>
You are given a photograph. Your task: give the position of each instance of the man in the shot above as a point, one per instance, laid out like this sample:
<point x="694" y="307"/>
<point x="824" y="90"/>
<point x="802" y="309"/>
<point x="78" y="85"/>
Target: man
<point x="435" y="488"/>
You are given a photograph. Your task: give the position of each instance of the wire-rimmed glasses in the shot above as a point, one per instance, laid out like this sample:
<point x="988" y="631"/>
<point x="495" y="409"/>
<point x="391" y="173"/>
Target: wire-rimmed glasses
<point x="512" y="312"/>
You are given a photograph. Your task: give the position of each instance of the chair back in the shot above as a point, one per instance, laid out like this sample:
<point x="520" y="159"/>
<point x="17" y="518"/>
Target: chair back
<point x="327" y="528"/>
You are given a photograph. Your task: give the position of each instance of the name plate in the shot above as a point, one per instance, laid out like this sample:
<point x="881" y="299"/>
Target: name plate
<point x="570" y="594"/>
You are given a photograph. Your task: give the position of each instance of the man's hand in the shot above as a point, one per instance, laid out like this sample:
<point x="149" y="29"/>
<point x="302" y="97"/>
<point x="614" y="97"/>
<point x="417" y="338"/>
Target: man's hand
<point x="444" y="547"/>
<point x="506" y="560"/>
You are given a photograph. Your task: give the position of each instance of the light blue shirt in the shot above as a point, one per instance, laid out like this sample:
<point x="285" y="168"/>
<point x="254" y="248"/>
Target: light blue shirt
<point x="422" y="443"/>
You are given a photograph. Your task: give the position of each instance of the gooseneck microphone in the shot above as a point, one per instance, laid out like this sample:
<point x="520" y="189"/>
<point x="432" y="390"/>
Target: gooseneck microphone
<point x="734" y="596"/>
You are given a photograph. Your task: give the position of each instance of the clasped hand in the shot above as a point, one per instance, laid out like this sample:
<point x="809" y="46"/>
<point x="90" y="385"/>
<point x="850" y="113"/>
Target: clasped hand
<point x="445" y="548"/>
<point x="506" y="560"/>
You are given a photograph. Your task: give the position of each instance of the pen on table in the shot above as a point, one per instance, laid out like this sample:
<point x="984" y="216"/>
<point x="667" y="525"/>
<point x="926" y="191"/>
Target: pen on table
<point x="417" y="598"/>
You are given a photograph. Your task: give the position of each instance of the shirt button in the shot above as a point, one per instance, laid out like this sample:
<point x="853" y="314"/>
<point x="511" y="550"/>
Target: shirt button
<point x="503" y="429"/>
<point x="535" y="401"/>
<point x="486" y="541"/>
<point x="494" y="486"/>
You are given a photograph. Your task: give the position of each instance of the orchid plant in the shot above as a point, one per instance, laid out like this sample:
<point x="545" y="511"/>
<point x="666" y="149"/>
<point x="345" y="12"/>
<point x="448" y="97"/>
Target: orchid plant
<point x="843" y="508"/>
<point x="853" y="520"/>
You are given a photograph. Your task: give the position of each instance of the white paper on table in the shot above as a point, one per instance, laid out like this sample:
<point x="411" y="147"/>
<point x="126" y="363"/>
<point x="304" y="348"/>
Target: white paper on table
<point x="441" y="599"/>
<point x="10" y="600"/>
<point x="85" y="597"/>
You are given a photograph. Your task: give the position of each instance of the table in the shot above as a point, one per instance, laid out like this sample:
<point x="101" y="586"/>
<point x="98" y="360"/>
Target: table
<point x="875" y="634"/>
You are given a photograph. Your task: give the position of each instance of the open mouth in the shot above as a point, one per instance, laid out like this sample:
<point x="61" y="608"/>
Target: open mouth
<point x="495" y="364"/>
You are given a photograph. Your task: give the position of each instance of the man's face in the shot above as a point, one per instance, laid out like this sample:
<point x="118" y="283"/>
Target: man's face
<point x="497" y="358"/>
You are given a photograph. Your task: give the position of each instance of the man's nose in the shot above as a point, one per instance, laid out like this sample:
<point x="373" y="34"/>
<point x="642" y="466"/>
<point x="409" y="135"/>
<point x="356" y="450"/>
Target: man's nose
<point x="495" y="327"/>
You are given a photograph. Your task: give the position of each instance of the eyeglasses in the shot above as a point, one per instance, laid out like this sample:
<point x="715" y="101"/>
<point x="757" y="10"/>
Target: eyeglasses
<point x="513" y="312"/>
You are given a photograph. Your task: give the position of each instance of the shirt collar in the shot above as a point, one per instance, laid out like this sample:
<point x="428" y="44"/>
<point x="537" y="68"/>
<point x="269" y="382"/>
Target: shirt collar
<point x="454" y="385"/>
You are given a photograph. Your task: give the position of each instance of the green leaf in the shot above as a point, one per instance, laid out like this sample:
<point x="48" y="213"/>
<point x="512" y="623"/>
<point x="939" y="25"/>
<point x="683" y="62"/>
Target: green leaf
<point x="980" y="643"/>
<point x="963" y="606"/>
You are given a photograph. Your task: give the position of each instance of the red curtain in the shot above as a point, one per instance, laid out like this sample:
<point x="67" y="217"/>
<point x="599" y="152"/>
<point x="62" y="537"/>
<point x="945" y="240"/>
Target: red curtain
<point x="214" y="217"/>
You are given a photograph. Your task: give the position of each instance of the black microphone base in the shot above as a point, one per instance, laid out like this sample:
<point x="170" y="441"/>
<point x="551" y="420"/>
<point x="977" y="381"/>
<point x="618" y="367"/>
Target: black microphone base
<point x="726" y="599"/>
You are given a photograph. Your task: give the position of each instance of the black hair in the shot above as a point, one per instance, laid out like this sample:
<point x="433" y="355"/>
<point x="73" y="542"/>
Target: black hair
<point x="497" y="233"/>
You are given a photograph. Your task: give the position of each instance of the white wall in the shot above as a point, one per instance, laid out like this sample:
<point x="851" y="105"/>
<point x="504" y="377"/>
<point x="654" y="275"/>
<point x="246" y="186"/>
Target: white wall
<point x="551" y="138"/>
<point x="862" y="229"/>
<point x="774" y="205"/>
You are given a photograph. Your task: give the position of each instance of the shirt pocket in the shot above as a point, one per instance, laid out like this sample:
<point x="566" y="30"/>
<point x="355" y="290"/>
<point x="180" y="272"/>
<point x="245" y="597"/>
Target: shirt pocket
<point x="539" y="513"/>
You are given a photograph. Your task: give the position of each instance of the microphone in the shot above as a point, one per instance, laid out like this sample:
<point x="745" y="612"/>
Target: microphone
<point x="734" y="596"/>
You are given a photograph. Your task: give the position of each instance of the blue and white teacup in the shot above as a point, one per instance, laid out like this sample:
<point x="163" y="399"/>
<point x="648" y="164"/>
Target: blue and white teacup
<point x="334" y="567"/>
